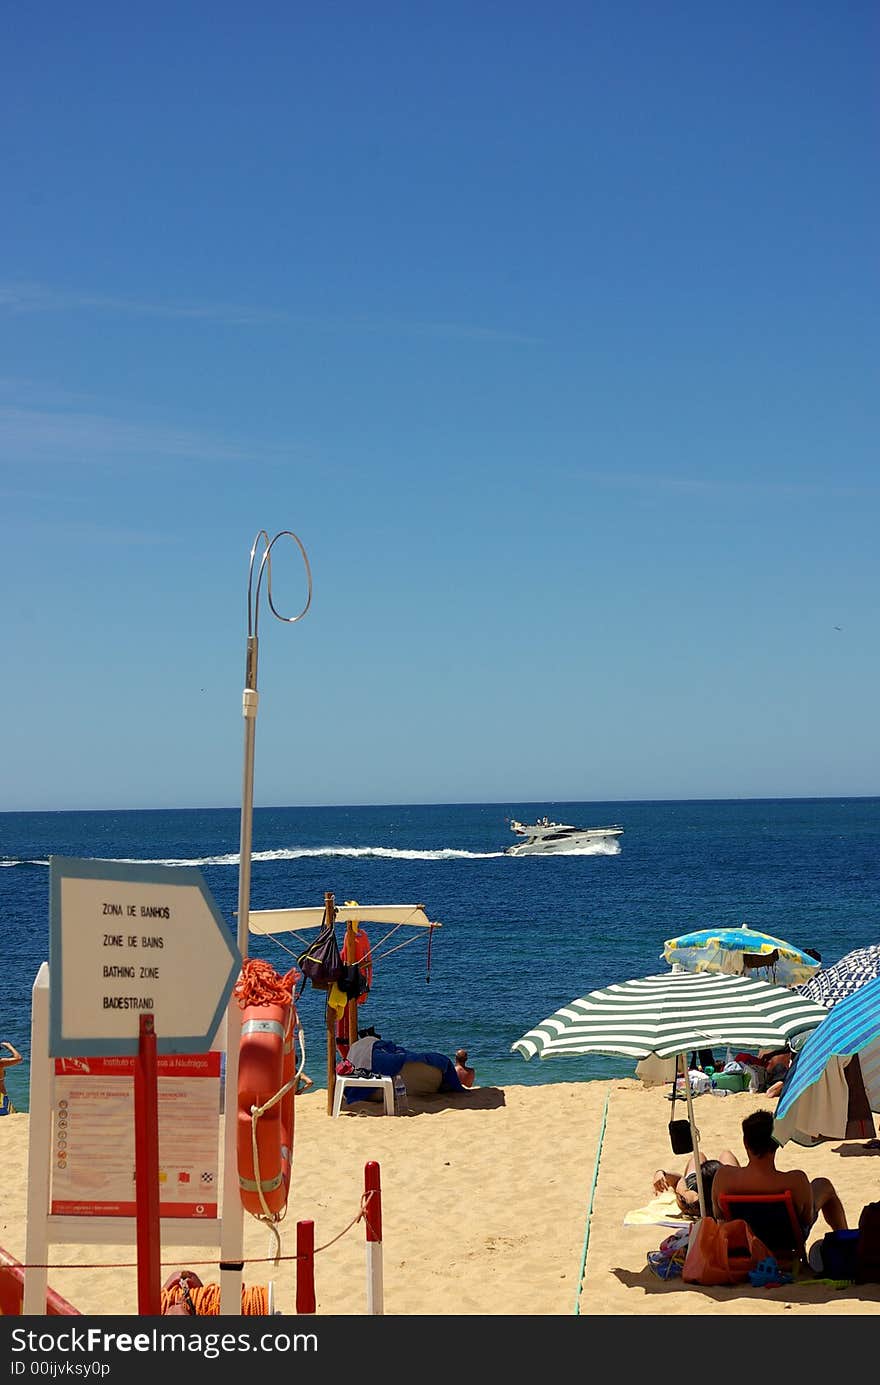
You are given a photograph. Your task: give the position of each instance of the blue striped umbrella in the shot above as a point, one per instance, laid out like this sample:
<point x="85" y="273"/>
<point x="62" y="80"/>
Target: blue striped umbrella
<point x="851" y="1027"/>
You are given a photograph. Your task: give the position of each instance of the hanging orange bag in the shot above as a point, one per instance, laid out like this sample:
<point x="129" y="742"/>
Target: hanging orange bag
<point x="722" y="1252"/>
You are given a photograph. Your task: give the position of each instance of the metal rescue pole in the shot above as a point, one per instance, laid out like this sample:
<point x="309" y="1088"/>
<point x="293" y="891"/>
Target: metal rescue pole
<point x="232" y="1247"/>
<point x="695" y="1134"/>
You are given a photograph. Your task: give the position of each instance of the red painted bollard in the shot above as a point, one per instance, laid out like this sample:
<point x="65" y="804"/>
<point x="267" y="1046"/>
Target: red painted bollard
<point x="373" y="1220"/>
<point x="305" y="1267"/>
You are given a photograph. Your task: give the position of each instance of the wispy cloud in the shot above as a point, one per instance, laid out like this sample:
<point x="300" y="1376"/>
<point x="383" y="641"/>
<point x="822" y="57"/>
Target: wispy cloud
<point x="20" y="391"/>
<point x="66" y="436"/>
<point x="38" y="298"/>
<point x="455" y="331"/>
<point x="20" y="298"/>
<point x="712" y="486"/>
<point x="92" y="533"/>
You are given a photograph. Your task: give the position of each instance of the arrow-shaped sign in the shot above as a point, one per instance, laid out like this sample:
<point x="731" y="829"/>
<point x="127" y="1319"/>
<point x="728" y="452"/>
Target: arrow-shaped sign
<point x="133" y="939"/>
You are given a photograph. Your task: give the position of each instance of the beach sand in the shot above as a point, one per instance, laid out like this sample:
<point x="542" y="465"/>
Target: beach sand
<point x="485" y="1200"/>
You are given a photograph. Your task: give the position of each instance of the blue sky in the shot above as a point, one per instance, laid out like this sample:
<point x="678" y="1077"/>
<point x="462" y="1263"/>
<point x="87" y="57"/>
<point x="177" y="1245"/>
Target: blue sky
<point x="550" y="330"/>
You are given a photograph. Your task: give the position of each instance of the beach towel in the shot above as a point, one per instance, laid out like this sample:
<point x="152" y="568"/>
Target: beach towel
<point x="821" y="1111"/>
<point x="654" y="1071"/>
<point x="360" y="1053"/>
<point x="662" y="1210"/>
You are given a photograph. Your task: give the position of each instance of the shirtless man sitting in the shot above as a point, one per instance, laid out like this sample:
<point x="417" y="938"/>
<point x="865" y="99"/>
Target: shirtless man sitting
<point x="760" y="1175"/>
<point x="466" y="1074"/>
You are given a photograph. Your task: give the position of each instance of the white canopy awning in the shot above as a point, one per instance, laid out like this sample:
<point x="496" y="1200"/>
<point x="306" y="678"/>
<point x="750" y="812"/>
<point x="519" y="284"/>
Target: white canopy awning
<point x="293" y="920"/>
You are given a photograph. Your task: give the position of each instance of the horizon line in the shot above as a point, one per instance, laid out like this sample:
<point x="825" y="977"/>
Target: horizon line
<point x="460" y="803"/>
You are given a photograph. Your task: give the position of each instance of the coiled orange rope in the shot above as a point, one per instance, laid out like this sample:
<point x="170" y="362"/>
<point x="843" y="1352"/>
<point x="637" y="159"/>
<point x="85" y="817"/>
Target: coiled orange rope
<point x="205" y="1299"/>
<point x="260" y="984"/>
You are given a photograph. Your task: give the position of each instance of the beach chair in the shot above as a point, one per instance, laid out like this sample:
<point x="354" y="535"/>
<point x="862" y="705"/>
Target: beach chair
<point x="774" y="1220"/>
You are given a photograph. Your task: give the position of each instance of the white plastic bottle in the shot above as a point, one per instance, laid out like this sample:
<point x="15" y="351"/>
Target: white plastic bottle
<point x="401" y="1105"/>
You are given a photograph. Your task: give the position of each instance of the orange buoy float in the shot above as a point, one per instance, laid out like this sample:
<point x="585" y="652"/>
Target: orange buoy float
<point x="362" y="952"/>
<point x="266" y="1083"/>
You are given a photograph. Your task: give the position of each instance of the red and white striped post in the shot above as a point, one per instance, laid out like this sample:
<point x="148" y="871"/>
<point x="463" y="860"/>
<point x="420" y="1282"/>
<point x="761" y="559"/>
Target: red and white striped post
<point x="373" y="1219"/>
<point x="305" y="1267"/>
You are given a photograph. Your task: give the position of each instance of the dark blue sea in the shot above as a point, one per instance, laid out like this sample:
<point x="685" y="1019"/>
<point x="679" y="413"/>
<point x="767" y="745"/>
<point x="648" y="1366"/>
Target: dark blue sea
<point x="520" y="936"/>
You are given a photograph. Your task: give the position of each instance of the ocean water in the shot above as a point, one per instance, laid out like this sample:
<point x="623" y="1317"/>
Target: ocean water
<point x="520" y="936"/>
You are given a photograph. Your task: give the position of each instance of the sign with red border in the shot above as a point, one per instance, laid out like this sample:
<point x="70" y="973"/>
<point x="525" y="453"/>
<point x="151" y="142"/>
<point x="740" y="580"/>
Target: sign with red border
<point x="93" y="1158"/>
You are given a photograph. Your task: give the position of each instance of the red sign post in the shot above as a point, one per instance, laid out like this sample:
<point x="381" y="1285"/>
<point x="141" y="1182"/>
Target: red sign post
<point x="146" y="1171"/>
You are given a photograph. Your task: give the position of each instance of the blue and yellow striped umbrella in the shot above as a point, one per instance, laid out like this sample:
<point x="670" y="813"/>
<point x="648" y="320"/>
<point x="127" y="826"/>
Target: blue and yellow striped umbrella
<point x="741" y="952"/>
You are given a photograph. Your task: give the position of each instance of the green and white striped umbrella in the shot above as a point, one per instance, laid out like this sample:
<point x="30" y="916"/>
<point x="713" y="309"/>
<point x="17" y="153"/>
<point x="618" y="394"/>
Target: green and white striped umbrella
<point x="672" y="1013"/>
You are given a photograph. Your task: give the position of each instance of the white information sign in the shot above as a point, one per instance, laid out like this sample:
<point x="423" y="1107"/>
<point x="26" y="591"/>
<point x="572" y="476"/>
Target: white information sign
<point x="93" y="1155"/>
<point x="127" y="940"/>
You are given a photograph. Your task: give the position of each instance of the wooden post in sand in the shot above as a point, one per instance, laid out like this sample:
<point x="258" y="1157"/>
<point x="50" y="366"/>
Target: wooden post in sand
<point x="330" y="915"/>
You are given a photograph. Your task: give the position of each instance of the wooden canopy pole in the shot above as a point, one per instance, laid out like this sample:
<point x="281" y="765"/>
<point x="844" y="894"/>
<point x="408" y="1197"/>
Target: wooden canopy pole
<point x="330" y="916"/>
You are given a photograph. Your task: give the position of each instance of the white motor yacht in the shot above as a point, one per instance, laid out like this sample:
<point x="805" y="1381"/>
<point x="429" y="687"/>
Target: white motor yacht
<point x="544" y="837"/>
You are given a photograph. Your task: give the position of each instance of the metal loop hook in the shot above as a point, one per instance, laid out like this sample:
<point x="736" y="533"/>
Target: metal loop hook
<point x="266" y="565"/>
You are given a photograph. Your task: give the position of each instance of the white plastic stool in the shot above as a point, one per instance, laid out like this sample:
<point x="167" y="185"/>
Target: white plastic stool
<point x="385" y="1083"/>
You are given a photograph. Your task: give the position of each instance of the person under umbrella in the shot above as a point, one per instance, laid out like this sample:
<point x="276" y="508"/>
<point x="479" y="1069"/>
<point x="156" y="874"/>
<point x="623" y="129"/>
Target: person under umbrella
<point x="760" y="1175"/>
<point x="684" y="1185"/>
<point x="668" y="1015"/>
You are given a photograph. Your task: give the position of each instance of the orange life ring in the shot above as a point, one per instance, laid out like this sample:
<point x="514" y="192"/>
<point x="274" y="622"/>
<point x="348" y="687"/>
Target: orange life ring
<point x="266" y="1064"/>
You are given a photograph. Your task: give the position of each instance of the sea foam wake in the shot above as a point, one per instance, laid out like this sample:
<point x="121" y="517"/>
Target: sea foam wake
<point x="293" y="853"/>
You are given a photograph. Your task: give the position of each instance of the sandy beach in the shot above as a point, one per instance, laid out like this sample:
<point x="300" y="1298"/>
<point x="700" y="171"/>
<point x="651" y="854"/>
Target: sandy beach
<point x="486" y="1201"/>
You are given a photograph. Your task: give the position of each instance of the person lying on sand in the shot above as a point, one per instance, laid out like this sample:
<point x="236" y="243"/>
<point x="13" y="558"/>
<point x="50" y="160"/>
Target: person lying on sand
<point x="684" y="1185"/>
